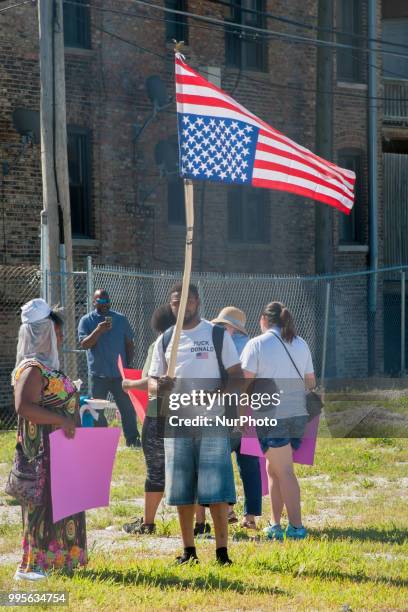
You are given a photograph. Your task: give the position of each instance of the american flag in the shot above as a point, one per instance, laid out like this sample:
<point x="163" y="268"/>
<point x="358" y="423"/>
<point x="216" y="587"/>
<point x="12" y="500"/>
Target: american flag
<point x="221" y="141"/>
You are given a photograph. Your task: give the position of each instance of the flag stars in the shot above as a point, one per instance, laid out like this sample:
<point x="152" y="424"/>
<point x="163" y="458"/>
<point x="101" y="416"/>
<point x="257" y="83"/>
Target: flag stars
<point x="216" y="149"/>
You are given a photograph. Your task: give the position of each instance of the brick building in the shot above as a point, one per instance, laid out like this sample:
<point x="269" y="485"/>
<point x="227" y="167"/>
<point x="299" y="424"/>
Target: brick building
<point x="127" y="206"/>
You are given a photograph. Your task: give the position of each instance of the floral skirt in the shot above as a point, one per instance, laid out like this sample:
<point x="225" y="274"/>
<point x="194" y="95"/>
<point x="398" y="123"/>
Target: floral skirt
<point x="48" y="545"/>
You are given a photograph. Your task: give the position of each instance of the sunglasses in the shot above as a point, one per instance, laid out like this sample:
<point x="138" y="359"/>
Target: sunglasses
<point x="102" y="301"/>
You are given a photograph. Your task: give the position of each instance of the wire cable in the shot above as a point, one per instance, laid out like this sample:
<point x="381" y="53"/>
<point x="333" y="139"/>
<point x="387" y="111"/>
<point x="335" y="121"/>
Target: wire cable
<point x="244" y="75"/>
<point x="8" y="8"/>
<point x="248" y="28"/>
<point x="306" y="26"/>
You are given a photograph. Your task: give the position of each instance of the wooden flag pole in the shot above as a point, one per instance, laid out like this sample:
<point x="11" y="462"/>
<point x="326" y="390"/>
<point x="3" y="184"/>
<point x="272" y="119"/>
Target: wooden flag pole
<point x="189" y="207"/>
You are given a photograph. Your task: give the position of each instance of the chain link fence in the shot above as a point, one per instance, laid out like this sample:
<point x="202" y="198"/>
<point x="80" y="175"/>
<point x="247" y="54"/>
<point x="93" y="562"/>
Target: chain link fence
<point x="18" y="284"/>
<point x="332" y="313"/>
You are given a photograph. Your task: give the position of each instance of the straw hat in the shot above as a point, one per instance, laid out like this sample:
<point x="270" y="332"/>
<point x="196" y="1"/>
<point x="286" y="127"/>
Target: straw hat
<point x="232" y="316"/>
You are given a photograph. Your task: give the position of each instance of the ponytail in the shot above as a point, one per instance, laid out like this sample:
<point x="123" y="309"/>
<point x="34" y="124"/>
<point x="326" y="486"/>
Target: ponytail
<point x="277" y="314"/>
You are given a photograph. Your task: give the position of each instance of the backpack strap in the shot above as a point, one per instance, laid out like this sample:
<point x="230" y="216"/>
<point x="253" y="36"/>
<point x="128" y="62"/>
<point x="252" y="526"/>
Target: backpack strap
<point x="166" y="338"/>
<point x="218" y="341"/>
<point x="218" y="332"/>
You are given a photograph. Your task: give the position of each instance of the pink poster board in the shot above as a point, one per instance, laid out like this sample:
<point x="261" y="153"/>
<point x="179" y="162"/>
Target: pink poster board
<point x="138" y="398"/>
<point x="81" y="469"/>
<point x="305" y="453"/>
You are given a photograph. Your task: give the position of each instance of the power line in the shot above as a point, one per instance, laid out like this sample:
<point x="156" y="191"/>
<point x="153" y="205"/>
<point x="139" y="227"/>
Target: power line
<point x="7" y="8"/>
<point x="222" y="25"/>
<point x="269" y="33"/>
<point x="255" y="29"/>
<point x="306" y="26"/>
<point x="244" y="75"/>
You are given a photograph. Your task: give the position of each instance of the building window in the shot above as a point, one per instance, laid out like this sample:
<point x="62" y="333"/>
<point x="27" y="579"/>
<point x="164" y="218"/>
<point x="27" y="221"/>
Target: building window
<point x="351" y="226"/>
<point x="175" y="201"/>
<point x="248" y="215"/>
<point x="176" y="25"/>
<point x="77" y="25"/>
<point x="396" y="32"/>
<point x="350" y="62"/>
<point x="244" y="49"/>
<point x="79" y="169"/>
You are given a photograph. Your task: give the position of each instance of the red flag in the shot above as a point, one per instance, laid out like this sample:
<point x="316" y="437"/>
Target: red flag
<point x="138" y="398"/>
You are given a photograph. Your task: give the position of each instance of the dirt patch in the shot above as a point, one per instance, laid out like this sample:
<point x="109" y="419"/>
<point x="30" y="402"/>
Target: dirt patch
<point x="10" y="514"/>
<point x="106" y="540"/>
<point x="324" y="517"/>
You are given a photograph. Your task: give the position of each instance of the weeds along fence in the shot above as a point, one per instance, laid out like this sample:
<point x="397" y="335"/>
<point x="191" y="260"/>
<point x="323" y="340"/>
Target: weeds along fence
<point x="349" y="336"/>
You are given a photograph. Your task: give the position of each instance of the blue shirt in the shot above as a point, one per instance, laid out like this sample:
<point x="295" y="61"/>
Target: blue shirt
<point x="240" y="341"/>
<point x="103" y="357"/>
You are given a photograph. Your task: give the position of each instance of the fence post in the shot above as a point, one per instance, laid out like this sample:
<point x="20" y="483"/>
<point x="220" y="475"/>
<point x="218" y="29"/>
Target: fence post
<point x="89" y="296"/>
<point x="63" y="293"/>
<point x="325" y="334"/>
<point x="402" y="322"/>
<point x="89" y="283"/>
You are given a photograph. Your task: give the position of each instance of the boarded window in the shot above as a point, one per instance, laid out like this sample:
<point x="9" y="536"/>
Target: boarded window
<point x="350" y="61"/>
<point x="395" y="31"/>
<point x="77" y="25"/>
<point x="248" y="215"/>
<point x="244" y="49"/>
<point x="351" y="226"/>
<point x="79" y="169"/>
<point x="176" y="25"/>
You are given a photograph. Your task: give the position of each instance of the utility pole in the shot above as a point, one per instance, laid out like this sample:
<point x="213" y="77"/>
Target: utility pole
<point x="55" y="166"/>
<point x="61" y="170"/>
<point x="49" y="218"/>
<point x="324" y="134"/>
<point x="61" y="156"/>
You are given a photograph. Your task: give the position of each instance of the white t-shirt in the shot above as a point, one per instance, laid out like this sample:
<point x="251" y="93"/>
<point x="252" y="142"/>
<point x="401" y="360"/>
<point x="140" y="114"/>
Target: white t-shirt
<point x="265" y="357"/>
<point x="196" y="358"/>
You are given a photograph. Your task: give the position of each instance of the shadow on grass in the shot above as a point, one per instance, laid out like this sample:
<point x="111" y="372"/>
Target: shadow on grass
<point x="168" y="580"/>
<point x="335" y="575"/>
<point x="363" y="534"/>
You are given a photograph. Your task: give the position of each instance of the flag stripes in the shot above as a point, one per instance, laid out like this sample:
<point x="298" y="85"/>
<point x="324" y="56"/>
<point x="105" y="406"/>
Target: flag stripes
<point x="279" y="162"/>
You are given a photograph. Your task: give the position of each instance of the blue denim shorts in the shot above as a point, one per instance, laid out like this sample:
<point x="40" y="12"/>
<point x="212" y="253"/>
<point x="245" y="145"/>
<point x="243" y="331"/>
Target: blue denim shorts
<point x="199" y="470"/>
<point x="287" y="431"/>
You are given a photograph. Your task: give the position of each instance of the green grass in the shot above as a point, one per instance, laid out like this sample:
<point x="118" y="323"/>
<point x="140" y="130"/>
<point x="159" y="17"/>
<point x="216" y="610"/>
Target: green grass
<point x="354" y="503"/>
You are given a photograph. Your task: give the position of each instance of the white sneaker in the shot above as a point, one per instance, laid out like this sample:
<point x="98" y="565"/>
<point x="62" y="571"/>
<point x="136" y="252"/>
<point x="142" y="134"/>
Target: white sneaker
<point x="19" y="575"/>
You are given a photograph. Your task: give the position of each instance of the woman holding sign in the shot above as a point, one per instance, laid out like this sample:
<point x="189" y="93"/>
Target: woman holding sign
<point x="45" y="400"/>
<point x="280" y="361"/>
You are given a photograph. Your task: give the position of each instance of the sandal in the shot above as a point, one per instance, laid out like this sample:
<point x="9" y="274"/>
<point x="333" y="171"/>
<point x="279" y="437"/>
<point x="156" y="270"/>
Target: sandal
<point x="232" y="517"/>
<point x="248" y="523"/>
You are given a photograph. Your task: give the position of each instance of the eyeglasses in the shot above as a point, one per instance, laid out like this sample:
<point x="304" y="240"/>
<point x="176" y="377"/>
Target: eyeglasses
<point x="102" y="300"/>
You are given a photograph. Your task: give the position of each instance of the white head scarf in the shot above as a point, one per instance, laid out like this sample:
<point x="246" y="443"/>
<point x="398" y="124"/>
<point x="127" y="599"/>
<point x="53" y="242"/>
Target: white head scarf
<point x="36" y="340"/>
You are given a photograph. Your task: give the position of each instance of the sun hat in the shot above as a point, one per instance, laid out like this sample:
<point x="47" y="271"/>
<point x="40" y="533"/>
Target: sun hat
<point x="232" y="316"/>
<point x="35" y="310"/>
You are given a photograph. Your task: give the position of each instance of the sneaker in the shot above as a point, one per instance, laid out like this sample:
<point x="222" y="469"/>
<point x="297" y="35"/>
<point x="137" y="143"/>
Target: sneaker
<point x="295" y="533"/>
<point x="184" y="558"/>
<point x="134" y="443"/>
<point x="202" y="529"/>
<point x="223" y="561"/>
<point x="19" y="575"/>
<point x="138" y="527"/>
<point x="274" y="532"/>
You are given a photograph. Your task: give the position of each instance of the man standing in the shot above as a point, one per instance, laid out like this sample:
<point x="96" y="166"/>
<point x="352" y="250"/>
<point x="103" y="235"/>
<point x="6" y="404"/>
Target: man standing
<point x="198" y="467"/>
<point x="106" y="334"/>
